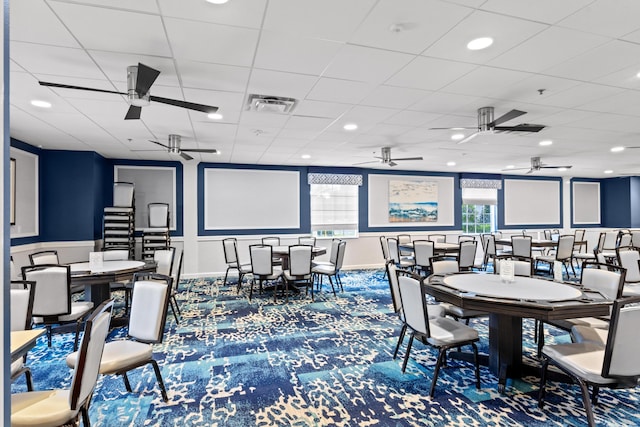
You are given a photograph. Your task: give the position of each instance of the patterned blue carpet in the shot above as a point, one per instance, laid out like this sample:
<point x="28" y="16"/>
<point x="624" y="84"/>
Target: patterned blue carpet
<point x="231" y="362"/>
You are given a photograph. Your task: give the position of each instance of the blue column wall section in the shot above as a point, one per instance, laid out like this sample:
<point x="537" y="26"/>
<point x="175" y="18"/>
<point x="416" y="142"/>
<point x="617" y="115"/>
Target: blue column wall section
<point x="68" y="196"/>
<point x="616" y="202"/>
<point x="635" y="201"/>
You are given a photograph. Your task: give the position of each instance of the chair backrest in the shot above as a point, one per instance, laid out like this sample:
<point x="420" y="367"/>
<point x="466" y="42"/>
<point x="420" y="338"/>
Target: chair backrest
<point x="404" y="238"/>
<point x="392" y="276"/>
<point x="342" y="247"/>
<point x="385" y="248"/>
<point x="414" y="304"/>
<point x="300" y="260"/>
<point x="623" y="341"/>
<point x="333" y="255"/>
<point x="271" y="241"/>
<point x="158" y="214"/>
<point x="521" y="246"/>
<point x="565" y="247"/>
<point x="177" y="269"/>
<point x="599" y="247"/>
<point x="164" y="260"/>
<point x="87" y="369"/>
<point x="466" y="238"/>
<point x="423" y="251"/>
<point x="547" y="234"/>
<point x="15" y="272"/>
<point x="394" y="254"/>
<point x="467" y="257"/>
<point x="123" y="194"/>
<point x="230" y="247"/>
<point x="607" y="279"/>
<point x="149" y="302"/>
<point x="579" y="234"/>
<point x="44" y="257"/>
<point x="307" y="240"/>
<point x="490" y="245"/>
<point x="610" y="240"/>
<point x="22" y="293"/>
<point x="444" y="265"/>
<point x="522" y="266"/>
<point x="115" y="254"/>
<point x="437" y="238"/>
<point x="625" y="239"/>
<point x="261" y="259"/>
<point x="635" y="238"/>
<point x="628" y="258"/>
<point x="52" y="296"/>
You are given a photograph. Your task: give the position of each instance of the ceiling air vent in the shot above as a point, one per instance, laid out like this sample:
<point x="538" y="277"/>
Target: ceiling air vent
<point x="271" y="104"/>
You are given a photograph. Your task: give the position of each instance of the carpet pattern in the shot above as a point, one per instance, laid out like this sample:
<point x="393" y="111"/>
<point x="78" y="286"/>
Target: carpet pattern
<point x="231" y="362"/>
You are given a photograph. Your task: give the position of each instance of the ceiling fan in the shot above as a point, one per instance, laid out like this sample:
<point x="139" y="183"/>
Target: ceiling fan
<point x="487" y="124"/>
<point x="386" y="159"/>
<point x="174" y="147"/>
<point x="139" y="80"/>
<point x="536" y="165"/>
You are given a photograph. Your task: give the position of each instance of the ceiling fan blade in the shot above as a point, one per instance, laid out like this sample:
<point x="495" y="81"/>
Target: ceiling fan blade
<point x="185" y="156"/>
<point x="146" y="77"/>
<point x="407" y="158"/>
<point x="469" y="138"/>
<point x="456" y="128"/>
<point x="185" y="104"/>
<point x="516" y="169"/>
<point x="92" y="89"/>
<point x="133" y="113"/>
<point x="159" y="143"/>
<point x="392" y="163"/>
<point x="200" y="150"/>
<point x="530" y="171"/>
<point x="366" y="163"/>
<point x="555" y="167"/>
<point x="520" y="128"/>
<point x="506" y="117"/>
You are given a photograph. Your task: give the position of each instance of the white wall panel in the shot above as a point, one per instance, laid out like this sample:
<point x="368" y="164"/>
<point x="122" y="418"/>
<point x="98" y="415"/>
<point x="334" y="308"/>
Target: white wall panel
<point x="531" y="202"/>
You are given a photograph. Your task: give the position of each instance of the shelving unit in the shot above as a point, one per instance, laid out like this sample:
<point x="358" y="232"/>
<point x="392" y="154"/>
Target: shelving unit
<point x="118" y="223"/>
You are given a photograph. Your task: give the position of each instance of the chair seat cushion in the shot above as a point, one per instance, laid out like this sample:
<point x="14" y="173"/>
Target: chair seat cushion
<point x="546" y="258"/>
<point x="328" y="269"/>
<point x="582" y="359"/>
<point x="584" y="255"/>
<point x="119" y="354"/>
<point x="631" y="289"/>
<point x="16" y="366"/>
<point x="41" y="409"/>
<point x="591" y="322"/>
<point x="446" y="331"/>
<point x="582" y="333"/>
<point x="461" y="313"/>
<point x="276" y="272"/>
<point x="317" y="263"/>
<point x="78" y="310"/>
<point x="287" y="275"/>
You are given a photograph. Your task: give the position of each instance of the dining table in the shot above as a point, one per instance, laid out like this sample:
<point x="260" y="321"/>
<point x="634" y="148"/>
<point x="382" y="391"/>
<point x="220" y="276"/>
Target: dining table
<point x="438" y="247"/>
<point x="23" y="341"/>
<point x="508" y="302"/>
<point x="282" y="252"/>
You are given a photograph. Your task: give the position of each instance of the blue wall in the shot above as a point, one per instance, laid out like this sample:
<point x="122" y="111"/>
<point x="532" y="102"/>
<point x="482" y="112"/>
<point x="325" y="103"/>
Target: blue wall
<point x="634" y="201"/>
<point x="616" y="202"/>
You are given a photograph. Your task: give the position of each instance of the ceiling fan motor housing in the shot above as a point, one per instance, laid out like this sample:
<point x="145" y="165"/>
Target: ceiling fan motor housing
<point x="386" y="154"/>
<point x="174" y="144"/>
<point x="485" y="116"/>
<point x="536" y="164"/>
<point x="134" y="97"/>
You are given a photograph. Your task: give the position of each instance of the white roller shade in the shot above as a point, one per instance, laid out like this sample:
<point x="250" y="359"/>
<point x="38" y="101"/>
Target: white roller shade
<point x="480" y="196"/>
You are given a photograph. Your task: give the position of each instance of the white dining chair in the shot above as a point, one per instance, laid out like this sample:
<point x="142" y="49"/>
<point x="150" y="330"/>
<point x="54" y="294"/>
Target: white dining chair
<point x="21" y="296"/>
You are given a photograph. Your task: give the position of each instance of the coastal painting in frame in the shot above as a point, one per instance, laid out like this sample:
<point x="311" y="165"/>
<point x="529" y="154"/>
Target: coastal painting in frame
<point x="413" y="201"/>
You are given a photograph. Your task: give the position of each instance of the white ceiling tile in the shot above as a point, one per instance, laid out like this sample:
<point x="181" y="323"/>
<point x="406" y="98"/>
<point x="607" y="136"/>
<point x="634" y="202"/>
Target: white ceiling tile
<point x="626" y="78"/>
<point x="363" y="114"/>
<point x="200" y="75"/>
<point x="263" y="119"/>
<point x="94" y="28"/>
<point x="527" y="90"/>
<point x="624" y="103"/>
<point x="394" y="97"/>
<point x="429" y="73"/>
<point x="242" y="13"/>
<point x="33" y="21"/>
<point x="547" y="49"/>
<point x="366" y="64"/>
<point x="328" y="19"/>
<point x="52" y="60"/>
<point x="580" y="94"/>
<point x="507" y="33"/>
<point x="411" y="118"/>
<point x="487" y="82"/>
<point x="341" y="91"/>
<point x="310" y="123"/>
<point x="305" y="55"/>
<point x="275" y="83"/>
<point x="148" y="6"/>
<point x="423" y="21"/>
<point x="230" y="104"/>
<point x="547" y="11"/>
<point x="308" y="107"/>
<point x="114" y="66"/>
<point x="603" y="17"/>
<point x="446" y="103"/>
<point x="200" y="41"/>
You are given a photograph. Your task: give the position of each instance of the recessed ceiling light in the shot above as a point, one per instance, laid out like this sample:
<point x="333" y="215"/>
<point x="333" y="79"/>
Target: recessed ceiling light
<point x="306" y="156"/>
<point x="215" y="116"/>
<point x="510" y="167"/>
<point x="638" y="75"/>
<point x="608" y="171"/>
<point x="41" y="104"/>
<point x="617" y="149"/>
<point x="562" y="169"/>
<point x="480" y="43"/>
<point x="545" y="142"/>
<point x="350" y="126"/>
<point x="451" y="163"/>
<point x="217" y="1"/>
<point x="457" y="136"/>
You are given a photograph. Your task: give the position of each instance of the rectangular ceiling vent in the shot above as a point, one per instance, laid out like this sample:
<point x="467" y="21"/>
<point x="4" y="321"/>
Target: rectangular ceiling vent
<point x="271" y="104"/>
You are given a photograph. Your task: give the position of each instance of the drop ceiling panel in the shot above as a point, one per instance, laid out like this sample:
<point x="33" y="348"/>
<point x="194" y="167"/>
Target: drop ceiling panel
<point x="241" y="13"/>
<point x="624" y="103"/>
<point x="394" y="97"/>
<point x="603" y="17"/>
<point x="341" y="91"/>
<point x="579" y="95"/>
<point x="507" y="33"/>
<point x="275" y="83"/>
<point x="305" y="55"/>
<point x="332" y="110"/>
<point x="34" y="22"/>
<point x="366" y="64"/>
<point x="547" y="11"/>
<point x="193" y="41"/>
<point x="487" y="82"/>
<point x="114" y="66"/>
<point x="200" y="75"/>
<point x="52" y="60"/>
<point x="94" y="28"/>
<point x="148" y="6"/>
<point x="429" y="73"/>
<point x="411" y="118"/>
<point x="423" y="22"/>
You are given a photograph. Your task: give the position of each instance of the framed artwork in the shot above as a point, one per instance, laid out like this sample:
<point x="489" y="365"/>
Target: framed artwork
<point x="12" y="201"/>
<point x="413" y="201"/>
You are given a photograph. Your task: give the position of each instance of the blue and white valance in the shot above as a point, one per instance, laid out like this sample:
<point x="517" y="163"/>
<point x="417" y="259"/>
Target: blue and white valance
<point x="481" y="183"/>
<point x="334" y="178"/>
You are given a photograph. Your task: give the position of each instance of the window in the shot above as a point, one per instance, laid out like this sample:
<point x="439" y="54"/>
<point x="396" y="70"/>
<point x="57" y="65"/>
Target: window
<point x="479" y="210"/>
<point x="334" y="210"/>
